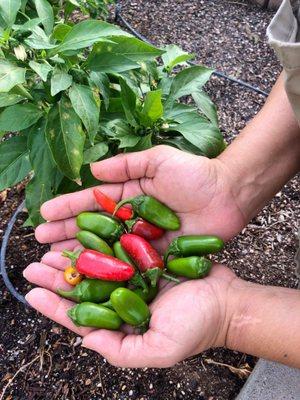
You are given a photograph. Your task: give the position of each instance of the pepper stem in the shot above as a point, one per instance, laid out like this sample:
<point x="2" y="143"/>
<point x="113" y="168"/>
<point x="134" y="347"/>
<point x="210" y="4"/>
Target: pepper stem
<point x="67" y="294"/>
<point x="72" y="255"/>
<point x="107" y="304"/>
<point x="122" y="203"/>
<point x="138" y="281"/>
<point x="153" y="275"/>
<point x="170" y="278"/>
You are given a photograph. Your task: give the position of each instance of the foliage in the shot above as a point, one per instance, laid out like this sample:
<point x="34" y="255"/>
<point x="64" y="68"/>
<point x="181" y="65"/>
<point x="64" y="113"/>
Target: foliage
<point x="77" y="93"/>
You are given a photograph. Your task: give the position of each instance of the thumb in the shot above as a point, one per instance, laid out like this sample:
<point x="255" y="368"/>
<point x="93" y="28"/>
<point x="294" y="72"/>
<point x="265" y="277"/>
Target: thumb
<point x="130" y="166"/>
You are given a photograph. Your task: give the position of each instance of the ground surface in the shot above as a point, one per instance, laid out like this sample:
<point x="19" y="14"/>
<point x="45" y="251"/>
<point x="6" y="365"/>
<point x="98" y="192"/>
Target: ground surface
<point x="230" y="36"/>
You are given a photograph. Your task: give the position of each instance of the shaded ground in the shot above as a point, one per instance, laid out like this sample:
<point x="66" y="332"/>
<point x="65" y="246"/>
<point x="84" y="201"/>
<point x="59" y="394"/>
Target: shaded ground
<point x="230" y="36"/>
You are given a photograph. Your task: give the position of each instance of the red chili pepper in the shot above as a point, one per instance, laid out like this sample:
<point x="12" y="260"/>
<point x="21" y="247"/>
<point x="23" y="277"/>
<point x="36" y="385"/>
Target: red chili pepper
<point x="143" y="228"/>
<point x="97" y="265"/>
<point x="109" y="205"/>
<point x="145" y="257"/>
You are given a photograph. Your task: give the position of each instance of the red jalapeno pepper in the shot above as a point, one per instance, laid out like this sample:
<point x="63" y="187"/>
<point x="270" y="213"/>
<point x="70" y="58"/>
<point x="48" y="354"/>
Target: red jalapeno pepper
<point x="143" y="228"/>
<point x="145" y="257"/>
<point x="109" y="205"/>
<point x="97" y="265"/>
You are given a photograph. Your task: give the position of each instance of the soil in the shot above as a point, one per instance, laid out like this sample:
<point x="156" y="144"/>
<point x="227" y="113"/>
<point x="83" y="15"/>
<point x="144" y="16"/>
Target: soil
<point x="44" y="360"/>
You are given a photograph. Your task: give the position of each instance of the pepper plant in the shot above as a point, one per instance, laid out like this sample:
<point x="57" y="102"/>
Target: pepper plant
<point x="72" y="94"/>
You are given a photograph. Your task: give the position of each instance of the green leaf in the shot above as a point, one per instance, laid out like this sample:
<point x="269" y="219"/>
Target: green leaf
<point x="205" y="105"/>
<point x="187" y="81"/>
<point x="108" y="62"/>
<point x="14" y="161"/>
<point x="87" y="107"/>
<point x="18" y="117"/>
<point x="60" y="81"/>
<point x="130" y="47"/>
<point x="205" y="136"/>
<point x="28" y="25"/>
<point x="9" y="99"/>
<point x="65" y="138"/>
<point x="173" y="56"/>
<point x="37" y="193"/>
<point x="177" y="110"/>
<point x="39" y="40"/>
<point x="39" y="153"/>
<point x="144" y="143"/>
<point x="10" y="75"/>
<point x="61" y="31"/>
<point x="9" y="10"/>
<point x="153" y="108"/>
<point x="86" y="33"/>
<point x="45" y="12"/>
<point x="129" y="100"/>
<point x="95" y="153"/>
<point x="41" y="69"/>
<point x="101" y="81"/>
<point x="182" y="144"/>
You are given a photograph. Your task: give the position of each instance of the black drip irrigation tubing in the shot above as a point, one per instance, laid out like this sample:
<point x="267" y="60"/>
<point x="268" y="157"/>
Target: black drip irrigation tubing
<point x="3" y="250"/>
<point x="119" y="17"/>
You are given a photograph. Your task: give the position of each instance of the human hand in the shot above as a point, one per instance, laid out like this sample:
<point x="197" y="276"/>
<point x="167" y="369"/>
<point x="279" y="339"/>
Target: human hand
<point x="198" y="189"/>
<point x="186" y="319"/>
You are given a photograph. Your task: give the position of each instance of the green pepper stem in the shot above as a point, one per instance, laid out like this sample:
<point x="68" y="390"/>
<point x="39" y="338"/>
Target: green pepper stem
<point x="72" y="255"/>
<point x="170" y="278"/>
<point x="121" y="203"/>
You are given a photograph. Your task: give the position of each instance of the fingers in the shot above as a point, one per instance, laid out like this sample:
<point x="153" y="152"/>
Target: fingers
<point x="55" y="259"/>
<point x="56" y="231"/>
<point x="70" y="245"/>
<point x="130" y="166"/>
<point x="70" y="205"/>
<point x="55" y="308"/>
<point x="131" y="351"/>
<point x="46" y="277"/>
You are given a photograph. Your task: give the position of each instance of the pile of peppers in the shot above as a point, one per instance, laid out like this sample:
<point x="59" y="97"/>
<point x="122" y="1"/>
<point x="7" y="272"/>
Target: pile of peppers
<point x="116" y="276"/>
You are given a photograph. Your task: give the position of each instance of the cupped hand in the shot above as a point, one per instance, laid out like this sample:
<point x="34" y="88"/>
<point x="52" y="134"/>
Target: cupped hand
<point x="186" y="319"/>
<point x="198" y="189"/>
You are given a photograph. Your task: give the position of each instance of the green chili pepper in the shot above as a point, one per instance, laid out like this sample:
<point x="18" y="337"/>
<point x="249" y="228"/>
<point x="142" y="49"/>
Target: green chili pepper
<point x="191" y="267"/>
<point x="130" y="307"/>
<point x="95" y="316"/>
<point x="92" y="290"/>
<point x="91" y="241"/>
<point x="146" y="296"/>
<point x="194" y="245"/>
<point x="121" y="254"/>
<point x="101" y="224"/>
<point x="153" y="211"/>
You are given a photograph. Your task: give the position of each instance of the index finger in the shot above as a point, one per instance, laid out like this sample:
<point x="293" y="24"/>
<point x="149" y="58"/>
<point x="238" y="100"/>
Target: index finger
<point x="70" y="205"/>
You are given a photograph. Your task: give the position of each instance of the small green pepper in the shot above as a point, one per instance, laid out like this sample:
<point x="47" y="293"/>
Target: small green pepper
<point x="101" y="224"/>
<point x="121" y="254"/>
<point x="146" y="296"/>
<point x="190" y="267"/>
<point x="153" y="211"/>
<point x="194" y="245"/>
<point x="92" y="290"/>
<point x="91" y="241"/>
<point x="95" y="316"/>
<point x="130" y="307"/>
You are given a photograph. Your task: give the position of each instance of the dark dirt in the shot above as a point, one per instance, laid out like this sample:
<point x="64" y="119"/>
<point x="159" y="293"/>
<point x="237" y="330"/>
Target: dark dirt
<point x="229" y="35"/>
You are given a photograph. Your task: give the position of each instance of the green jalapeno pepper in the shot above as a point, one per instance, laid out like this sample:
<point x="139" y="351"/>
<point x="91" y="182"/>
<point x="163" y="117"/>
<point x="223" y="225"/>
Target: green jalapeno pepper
<point x="147" y="296"/>
<point x="190" y="267"/>
<point x="95" y="316"/>
<point x="153" y="211"/>
<point x="101" y="224"/>
<point x="91" y="290"/>
<point x="121" y="254"/>
<point x="91" y="241"/>
<point x="130" y="307"/>
<point x="194" y="245"/>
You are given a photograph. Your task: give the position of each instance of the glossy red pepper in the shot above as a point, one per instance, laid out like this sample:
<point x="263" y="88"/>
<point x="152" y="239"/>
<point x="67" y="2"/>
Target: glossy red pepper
<point x="109" y="205"/>
<point x="143" y="228"/>
<point x="145" y="257"/>
<point x="97" y="265"/>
